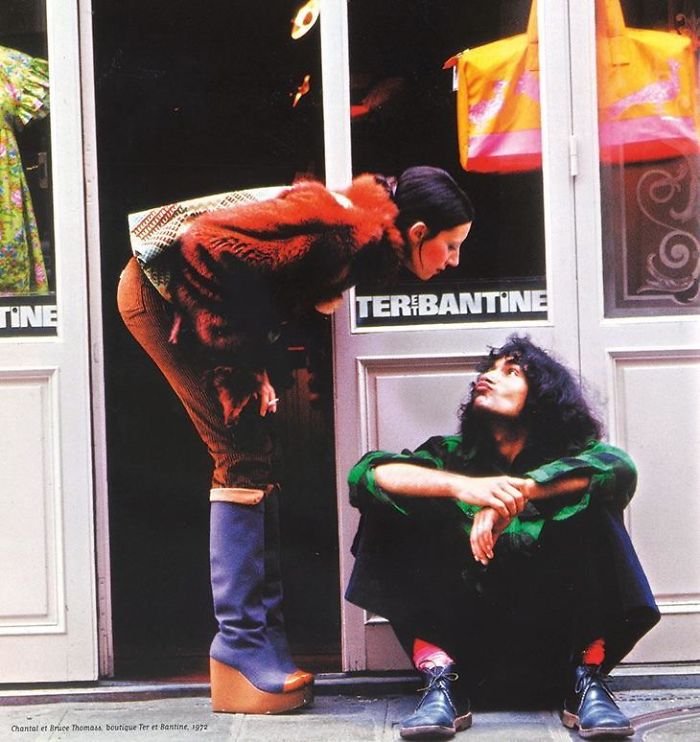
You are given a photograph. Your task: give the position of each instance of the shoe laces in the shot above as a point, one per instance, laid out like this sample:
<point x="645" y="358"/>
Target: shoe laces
<point x="590" y="675"/>
<point x="438" y="679"/>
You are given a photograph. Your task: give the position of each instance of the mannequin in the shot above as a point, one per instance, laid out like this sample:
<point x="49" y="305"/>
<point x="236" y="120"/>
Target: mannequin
<point x="24" y="97"/>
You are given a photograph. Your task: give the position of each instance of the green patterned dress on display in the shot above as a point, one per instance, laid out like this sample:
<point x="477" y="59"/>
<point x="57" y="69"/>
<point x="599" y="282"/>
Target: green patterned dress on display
<point x="24" y="96"/>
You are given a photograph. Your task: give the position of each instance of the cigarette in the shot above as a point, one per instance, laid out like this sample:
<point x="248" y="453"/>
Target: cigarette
<point x="273" y="401"/>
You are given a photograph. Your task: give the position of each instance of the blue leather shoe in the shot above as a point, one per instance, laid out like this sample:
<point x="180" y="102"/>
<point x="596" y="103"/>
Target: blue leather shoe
<point x="591" y="707"/>
<point x="436" y="716"/>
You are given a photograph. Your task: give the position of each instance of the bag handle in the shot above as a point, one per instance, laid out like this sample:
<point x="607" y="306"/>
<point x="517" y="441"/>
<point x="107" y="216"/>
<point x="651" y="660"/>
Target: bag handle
<point x="532" y="59"/>
<point x="611" y="32"/>
<point x="609" y="18"/>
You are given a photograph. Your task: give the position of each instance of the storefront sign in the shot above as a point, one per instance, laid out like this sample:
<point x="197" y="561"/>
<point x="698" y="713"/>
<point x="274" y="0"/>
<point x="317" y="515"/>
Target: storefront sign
<point x="27" y="316"/>
<point x="452" y="303"/>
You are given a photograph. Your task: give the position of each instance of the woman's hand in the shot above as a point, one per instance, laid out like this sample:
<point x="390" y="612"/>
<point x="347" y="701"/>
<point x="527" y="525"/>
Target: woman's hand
<point x="236" y="388"/>
<point x="488" y="526"/>
<point x="266" y="394"/>
<point x="500" y="493"/>
<point x="329" y="306"/>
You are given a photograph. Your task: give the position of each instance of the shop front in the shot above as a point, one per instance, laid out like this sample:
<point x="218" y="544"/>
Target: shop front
<point x="574" y="129"/>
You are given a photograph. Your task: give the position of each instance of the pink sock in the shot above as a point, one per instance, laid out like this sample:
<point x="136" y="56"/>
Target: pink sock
<point x="427" y="655"/>
<point x="594" y="654"/>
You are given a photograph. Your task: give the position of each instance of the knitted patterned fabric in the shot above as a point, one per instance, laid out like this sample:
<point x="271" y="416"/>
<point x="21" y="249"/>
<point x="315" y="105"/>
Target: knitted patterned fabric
<point x="243" y="270"/>
<point x="241" y="273"/>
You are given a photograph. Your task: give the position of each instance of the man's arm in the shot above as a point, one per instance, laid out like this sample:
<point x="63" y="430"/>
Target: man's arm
<point x="566" y="485"/>
<point x="600" y="472"/>
<point x="490" y="523"/>
<point x="502" y="493"/>
<point x="611" y="474"/>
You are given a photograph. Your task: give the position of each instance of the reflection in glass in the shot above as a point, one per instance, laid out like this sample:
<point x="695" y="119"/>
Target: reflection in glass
<point x="649" y="132"/>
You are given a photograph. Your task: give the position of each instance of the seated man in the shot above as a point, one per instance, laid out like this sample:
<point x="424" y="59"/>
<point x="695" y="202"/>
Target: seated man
<point x="500" y="556"/>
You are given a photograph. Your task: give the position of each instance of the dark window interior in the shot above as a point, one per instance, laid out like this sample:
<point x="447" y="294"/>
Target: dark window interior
<point x="397" y="50"/>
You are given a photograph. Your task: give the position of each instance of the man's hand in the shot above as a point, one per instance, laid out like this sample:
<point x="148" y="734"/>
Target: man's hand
<point x="502" y="493"/>
<point x="488" y="526"/>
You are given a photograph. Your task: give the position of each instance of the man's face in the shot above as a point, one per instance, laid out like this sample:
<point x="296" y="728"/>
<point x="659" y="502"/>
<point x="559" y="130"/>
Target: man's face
<point x="502" y="390"/>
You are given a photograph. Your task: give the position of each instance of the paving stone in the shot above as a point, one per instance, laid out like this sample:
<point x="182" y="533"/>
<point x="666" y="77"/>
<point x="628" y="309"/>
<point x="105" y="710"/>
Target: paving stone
<point x="659" y="715"/>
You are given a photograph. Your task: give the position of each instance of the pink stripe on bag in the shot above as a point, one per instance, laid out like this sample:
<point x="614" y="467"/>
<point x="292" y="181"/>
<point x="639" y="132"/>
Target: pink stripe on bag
<point x="646" y="129"/>
<point x="647" y="139"/>
<point x="505" y="144"/>
<point x="515" y="151"/>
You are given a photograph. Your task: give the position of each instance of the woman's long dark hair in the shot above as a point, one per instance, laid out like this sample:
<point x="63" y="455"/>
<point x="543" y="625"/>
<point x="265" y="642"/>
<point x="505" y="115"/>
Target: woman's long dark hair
<point x="430" y="195"/>
<point x="422" y="194"/>
<point x="556" y="414"/>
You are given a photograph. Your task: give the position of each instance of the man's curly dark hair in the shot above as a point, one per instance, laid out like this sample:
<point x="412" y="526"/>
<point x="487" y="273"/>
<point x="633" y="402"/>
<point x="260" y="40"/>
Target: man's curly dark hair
<point x="556" y="414"/>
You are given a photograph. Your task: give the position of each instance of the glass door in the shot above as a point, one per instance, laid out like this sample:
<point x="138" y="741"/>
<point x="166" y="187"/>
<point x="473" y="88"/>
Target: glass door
<point x="444" y="84"/>
<point x="406" y="59"/>
<point x="635" y="77"/>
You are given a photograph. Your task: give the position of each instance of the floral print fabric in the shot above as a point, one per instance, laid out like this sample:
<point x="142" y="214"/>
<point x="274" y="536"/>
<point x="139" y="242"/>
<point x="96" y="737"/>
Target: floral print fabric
<point x="24" y="96"/>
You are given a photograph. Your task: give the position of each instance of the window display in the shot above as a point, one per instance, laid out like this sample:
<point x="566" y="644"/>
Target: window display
<point x="403" y="113"/>
<point x="27" y="300"/>
<point x="24" y="96"/>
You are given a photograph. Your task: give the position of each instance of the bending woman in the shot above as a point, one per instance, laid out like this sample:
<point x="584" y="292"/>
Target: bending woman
<point x="238" y="277"/>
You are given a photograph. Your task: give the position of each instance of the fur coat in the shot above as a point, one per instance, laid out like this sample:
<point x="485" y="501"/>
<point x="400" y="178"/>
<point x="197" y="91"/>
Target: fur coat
<point x="242" y="273"/>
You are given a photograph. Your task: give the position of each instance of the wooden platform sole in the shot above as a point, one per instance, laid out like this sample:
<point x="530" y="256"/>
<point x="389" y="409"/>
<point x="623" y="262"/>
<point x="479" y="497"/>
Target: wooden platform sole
<point x="233" y="693"/>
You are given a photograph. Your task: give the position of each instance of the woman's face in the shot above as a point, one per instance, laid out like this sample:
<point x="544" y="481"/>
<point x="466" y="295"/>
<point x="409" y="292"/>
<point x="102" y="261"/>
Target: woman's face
<point x="430" y="255"/>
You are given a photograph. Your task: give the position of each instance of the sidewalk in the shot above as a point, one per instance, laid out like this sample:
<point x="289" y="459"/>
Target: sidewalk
<point x="336" y="716"/>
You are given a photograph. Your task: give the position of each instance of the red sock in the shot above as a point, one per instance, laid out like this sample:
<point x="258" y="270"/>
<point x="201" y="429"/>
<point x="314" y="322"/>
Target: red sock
<point x="594" y="654"/>
<point x="426" y="654"/>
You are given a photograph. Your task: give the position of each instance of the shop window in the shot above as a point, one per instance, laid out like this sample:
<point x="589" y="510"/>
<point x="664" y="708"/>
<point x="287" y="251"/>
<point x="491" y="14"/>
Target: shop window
<point x="649" y="130"/>
<point x="404" y="113"/>
<point x="27" y="278"/>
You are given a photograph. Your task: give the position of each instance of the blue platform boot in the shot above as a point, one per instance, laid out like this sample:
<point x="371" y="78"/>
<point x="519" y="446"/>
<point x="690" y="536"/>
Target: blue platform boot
<point x="272" y="591"/>
<point x="246" y="673"/>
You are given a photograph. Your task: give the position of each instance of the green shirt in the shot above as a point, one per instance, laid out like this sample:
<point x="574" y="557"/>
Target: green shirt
<point x="612" y="473"/>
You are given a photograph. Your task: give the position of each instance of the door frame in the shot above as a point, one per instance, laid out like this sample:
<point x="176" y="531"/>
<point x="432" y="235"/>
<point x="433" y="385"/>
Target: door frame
<point x="97" y="370"/>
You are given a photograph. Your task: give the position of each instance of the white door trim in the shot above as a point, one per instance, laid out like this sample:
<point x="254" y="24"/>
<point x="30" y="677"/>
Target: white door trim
<point x="97" y="377"/>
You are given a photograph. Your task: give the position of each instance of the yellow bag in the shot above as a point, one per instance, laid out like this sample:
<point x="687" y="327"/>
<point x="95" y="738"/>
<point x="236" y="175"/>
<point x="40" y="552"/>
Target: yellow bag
<point x="647" y="88"/>
<point x="646" y="96"/>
